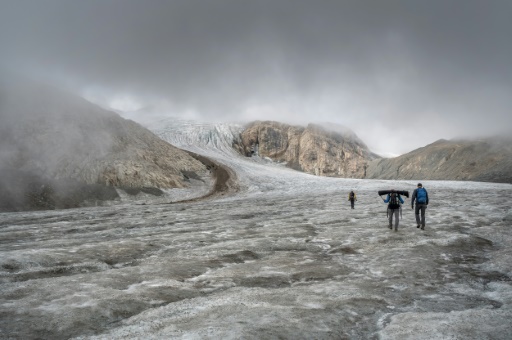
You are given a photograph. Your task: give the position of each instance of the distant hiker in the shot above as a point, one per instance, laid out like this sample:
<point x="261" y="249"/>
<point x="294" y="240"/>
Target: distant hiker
<point x="352" y="197"/>
<point x="420" y="194"/>
<point x="394" y="208"/>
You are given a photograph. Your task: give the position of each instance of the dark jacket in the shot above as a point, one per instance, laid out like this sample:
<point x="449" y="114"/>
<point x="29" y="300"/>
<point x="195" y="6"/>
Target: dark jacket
<point x="415" y="194"/>
<point x="354" y="198"/>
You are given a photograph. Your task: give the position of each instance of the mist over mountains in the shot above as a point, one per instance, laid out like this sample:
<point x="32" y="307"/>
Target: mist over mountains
<point x="48" y="137"/>
<point x="59" y="150"/>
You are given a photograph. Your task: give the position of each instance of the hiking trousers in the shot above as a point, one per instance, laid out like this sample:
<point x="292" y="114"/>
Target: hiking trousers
<point x="392" y="212"/>
<point x="352" y="204"/>
<point x="420" y="208"/>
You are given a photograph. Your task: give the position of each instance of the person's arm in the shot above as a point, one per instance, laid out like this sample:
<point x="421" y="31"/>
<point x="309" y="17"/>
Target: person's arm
<point x="400" y="198"/>
<point x="387" y="199"/>
<point x="355" y="196"/>
<point x="426" y="193"/>
<point x="413" y="197"/>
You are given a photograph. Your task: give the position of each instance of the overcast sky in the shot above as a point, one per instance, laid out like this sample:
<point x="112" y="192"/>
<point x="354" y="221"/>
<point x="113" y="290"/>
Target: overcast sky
<point x="400" y="74"/>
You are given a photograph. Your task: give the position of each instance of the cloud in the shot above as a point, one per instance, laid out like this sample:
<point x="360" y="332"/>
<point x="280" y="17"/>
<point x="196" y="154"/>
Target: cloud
<point x="417" y="71"/>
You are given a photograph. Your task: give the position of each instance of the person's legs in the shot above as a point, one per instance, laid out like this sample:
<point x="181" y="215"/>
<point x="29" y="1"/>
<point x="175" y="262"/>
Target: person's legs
<point x="352" y="204"/>
<point x="390" y="218"/>
<point x="417" y="214"/>
<point x="397" y="213"/>
<point x="423" y="208"/>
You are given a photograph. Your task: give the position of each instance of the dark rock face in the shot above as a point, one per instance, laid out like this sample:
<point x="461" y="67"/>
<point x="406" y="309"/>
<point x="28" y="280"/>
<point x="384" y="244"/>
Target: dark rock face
<point x="57" y="137"/>
<point x="313" y="149"/>
<point x="488" y="160"/>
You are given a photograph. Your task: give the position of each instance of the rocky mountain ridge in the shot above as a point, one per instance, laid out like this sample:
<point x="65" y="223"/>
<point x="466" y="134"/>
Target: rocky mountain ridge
<point x="322" y="151"/>
<point x="485" y="160"/>
<point x="312" y="149"/>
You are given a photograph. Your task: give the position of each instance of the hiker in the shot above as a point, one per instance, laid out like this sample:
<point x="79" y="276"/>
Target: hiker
<point x="420" y="194"/>
<point x="352" y="197"/>
<point x="394" y="207"/>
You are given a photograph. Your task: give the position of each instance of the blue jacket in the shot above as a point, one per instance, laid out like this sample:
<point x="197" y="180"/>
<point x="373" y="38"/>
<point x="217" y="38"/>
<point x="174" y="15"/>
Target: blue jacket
<point x="389" y="197"/>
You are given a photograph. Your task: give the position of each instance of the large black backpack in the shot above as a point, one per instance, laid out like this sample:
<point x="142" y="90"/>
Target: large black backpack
<point x="394" y="203"/>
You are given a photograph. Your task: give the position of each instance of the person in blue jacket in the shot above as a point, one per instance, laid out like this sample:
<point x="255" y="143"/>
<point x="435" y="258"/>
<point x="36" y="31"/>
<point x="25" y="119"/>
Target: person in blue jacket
<point x="394" y="208"/>
<point x="420" y="194"/>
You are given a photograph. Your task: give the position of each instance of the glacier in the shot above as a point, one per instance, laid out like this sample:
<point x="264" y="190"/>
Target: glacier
<point x="284" y="257"/>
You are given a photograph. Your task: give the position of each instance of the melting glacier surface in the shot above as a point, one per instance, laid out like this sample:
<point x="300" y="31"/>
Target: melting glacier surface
<point x="283" y="258"/>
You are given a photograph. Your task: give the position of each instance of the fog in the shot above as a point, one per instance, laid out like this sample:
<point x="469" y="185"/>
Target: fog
<point x="400" y="74"/>
<point x="283" y="257"/>
<point x="48" y="132"/>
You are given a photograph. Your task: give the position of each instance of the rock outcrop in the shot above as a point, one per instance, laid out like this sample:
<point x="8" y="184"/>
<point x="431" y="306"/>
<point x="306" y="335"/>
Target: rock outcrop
<point x="318" y="150"/>
<point x="488" y="160"/>
<point x="48" y="133"/>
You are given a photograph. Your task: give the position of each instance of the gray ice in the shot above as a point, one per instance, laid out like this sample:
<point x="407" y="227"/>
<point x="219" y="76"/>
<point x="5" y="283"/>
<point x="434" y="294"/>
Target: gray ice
<point x="283" y="258"/>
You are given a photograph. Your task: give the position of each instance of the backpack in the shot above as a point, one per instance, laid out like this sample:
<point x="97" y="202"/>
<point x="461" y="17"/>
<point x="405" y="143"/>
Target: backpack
<point x="351" y="195"/>
<point x="394" y="203"/>
<point x="421" y="196"/>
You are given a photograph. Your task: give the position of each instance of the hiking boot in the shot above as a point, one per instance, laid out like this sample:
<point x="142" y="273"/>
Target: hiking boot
<point x="418" y="226"/>
<point x="422" y="228"/>
<point x="390" y="227"/>
<point x="396" y="229"/>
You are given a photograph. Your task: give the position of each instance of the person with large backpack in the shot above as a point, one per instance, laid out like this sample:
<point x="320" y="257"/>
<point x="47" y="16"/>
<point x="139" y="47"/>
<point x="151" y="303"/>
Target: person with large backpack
<point x="394" y="207"/>
<point x="420" y="194"/>
<point x="352" y="197"/>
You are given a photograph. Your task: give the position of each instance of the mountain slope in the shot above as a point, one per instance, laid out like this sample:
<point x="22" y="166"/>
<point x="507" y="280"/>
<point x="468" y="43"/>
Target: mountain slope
<point x="54" y="135"/>
<point x="488" y="160"/>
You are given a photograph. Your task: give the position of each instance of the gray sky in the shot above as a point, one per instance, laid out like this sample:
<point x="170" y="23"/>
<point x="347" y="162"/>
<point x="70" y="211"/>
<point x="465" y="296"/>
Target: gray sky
<point x="401" y="74"/>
